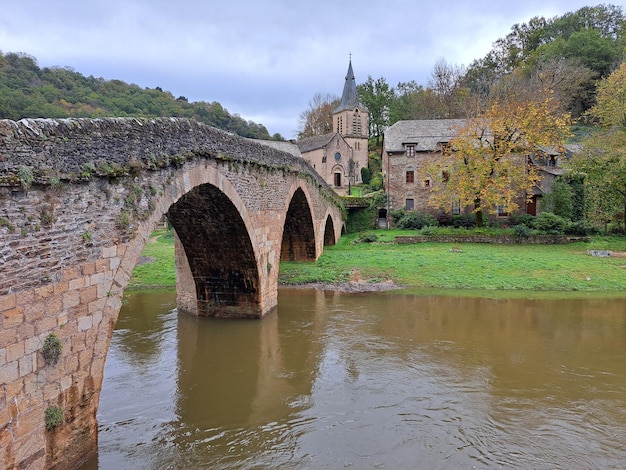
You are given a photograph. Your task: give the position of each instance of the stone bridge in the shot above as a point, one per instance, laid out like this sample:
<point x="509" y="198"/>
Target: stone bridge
<point x="79" y="199"/>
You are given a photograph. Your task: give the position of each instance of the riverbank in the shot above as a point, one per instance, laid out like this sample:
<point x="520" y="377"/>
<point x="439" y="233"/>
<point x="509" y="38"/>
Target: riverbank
<point x="353" y="266"/>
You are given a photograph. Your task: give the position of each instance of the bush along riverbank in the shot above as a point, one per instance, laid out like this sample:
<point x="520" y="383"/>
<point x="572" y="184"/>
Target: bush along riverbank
<point x="374" y="260"/>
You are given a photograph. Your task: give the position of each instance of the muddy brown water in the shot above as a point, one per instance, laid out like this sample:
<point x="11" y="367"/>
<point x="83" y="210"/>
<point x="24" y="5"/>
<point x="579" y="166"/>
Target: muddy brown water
<point x="369" y="380"/>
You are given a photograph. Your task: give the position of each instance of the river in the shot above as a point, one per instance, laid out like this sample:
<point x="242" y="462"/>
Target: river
<point x="378" y="380"/>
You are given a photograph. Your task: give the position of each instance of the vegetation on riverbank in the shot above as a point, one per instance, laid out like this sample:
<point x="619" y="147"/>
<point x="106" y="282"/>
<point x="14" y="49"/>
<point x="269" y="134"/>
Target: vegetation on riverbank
<point x="431" y="265"/>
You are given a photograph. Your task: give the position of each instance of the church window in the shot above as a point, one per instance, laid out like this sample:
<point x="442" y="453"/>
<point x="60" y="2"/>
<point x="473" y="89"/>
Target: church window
<point x="340" y="124"/>
<point x="356" y="124"/>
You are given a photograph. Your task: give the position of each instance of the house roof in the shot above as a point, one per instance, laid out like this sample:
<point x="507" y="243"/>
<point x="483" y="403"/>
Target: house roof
<point x="316" y="142"/>
<point x="425" y="134"/>
<point x="288" y="147"/>
<point x="350" y="95"/>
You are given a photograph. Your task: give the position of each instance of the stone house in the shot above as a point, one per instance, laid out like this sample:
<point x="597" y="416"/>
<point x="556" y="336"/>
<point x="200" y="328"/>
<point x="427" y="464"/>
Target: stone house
<point x="408" y="145"/>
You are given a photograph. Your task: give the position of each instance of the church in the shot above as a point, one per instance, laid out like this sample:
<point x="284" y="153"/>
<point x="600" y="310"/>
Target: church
<point x="339" y="156"/>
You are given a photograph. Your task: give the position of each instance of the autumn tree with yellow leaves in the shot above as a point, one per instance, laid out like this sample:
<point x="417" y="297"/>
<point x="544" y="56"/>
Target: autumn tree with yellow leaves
<point x="486" y="164"/>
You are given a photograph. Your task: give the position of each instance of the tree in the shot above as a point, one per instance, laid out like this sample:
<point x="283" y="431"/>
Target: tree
<point x="377" y="97"/>
<point x="568" y="82"/>
<point x="318" y="119"/>
<point x="452" y="96"/>
<point x="610" y="108"/>
<point x="603" y="156"/>
<point x="591" y="36"/>
<point x="486" y="165"/>
<point x="412" y="101"/>
<point x="560" y="200"/>
<point x="602" y="161"/>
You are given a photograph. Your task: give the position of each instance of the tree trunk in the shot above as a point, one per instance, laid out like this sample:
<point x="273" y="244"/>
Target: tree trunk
<point x="479" y="212"/>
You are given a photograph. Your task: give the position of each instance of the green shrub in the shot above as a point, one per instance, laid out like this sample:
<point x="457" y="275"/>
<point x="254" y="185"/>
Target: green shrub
<point x="550" y="223"/>
<point x="376" y="183"/>
<point x="580" y="228"/>
<point x="522" y="231"/>
<point x="397" y="214"/>
<point x="444" y="219"/>
<point x="366" y="175"/>
<point x="415" y="221"/>
<point x="522" y="219"/>
<point x="367" y="237"/>
<point x="464" y="221"/>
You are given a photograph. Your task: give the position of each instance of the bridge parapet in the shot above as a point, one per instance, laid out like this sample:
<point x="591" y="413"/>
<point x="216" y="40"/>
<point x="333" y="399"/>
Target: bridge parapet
<point x="78" y="149"/>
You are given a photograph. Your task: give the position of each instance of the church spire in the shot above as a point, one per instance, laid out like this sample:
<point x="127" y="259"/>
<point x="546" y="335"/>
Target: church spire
<point x="350" y="96"/>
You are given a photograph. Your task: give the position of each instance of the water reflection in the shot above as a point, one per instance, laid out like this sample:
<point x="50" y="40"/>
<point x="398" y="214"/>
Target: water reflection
<point x="371" y="381"/>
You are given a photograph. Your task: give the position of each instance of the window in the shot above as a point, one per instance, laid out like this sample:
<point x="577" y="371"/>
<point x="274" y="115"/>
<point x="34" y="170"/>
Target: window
<point x="409" y="204"/>
<point x="356" y="124"/>
<point x="445" y="176"/>
<point x="324" y="159"/>
<point x="410" y="150"/>
<point x="427" y="183"/>
<point x="410" y="176"/>
<point x="502" y="212"/>
<point x="340" y="125"/>
<point x="444" y="147"/>
<point x="456" y="208"/>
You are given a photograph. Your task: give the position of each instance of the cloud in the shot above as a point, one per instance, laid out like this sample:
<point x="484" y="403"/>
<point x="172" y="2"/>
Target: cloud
<point x="261" y="60"/>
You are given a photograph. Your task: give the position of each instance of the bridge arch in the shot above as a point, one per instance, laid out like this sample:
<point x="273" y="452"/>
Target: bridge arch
<point x="298" y="240"/>
<point x="329" y="231"/>
<point x="215" y="244"/>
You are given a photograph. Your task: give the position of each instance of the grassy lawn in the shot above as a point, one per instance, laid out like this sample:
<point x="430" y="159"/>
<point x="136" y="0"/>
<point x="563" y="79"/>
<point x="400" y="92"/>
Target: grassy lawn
<point x="159" y="269"/>
<point x="434" y="265"/>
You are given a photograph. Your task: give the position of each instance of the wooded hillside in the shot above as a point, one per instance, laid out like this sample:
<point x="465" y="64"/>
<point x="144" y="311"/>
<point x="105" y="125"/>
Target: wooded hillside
<point x="28" y="91"/>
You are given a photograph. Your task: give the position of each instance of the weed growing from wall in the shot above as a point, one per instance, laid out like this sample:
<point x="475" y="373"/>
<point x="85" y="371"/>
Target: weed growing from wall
<point x="51" y="349"/>
<point x="54" y="417"/>
<point x="25" y="176"/>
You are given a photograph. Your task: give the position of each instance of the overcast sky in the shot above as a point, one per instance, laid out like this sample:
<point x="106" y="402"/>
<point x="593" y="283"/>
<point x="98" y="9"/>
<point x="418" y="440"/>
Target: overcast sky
<point x="262" y="59"/>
